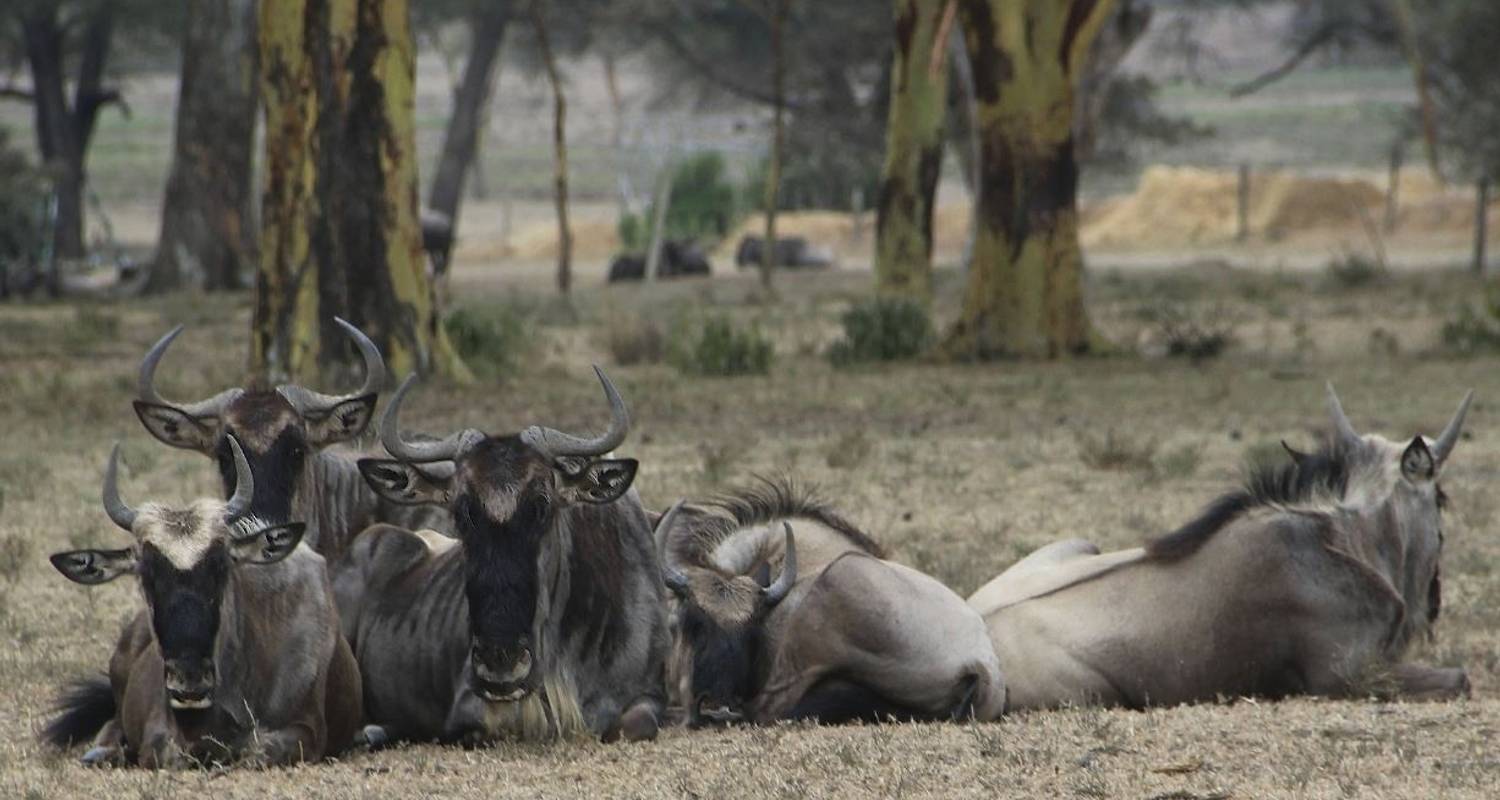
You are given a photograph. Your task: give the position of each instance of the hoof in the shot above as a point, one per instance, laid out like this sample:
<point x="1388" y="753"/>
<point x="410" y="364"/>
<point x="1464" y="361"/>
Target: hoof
<point x="99" y="757"/>
<point x="373" y="737"/>
<point x="639" y="724"/>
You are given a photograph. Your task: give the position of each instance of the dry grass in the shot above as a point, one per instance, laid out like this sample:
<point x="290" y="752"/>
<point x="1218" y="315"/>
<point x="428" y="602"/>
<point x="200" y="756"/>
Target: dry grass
<point x="958" y="469"/>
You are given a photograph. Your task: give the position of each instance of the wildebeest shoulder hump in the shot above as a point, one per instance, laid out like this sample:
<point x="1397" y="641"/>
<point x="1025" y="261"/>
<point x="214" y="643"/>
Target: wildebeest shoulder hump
<point x="780" y="498"/>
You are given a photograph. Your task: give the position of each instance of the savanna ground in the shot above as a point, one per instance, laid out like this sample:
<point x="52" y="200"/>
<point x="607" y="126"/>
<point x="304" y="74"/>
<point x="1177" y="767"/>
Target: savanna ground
<point x="959" y="469"/>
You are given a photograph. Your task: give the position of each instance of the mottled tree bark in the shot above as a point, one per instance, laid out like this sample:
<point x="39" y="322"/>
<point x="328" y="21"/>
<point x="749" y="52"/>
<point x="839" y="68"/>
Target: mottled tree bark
<point x="205" y="227"/>
<point x="1024" y="295"/>
<point x="339" y="234"/>
<point x="913" y="152"/>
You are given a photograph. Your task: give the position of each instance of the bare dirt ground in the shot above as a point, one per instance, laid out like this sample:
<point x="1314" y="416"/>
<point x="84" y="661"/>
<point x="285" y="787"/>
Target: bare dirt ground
<point x="959" y="468"/>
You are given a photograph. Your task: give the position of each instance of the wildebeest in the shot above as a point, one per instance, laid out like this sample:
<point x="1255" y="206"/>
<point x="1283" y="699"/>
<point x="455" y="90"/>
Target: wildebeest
<point x="678" y="258"/>
<point x="288" y="434"/>
<point x="840" y="635"/>
<point x="437" y="240"/>
<point x="791" y="252"/>
<point x="546" y="616"/>
<point x="238" y="652"/>
<point x="1312" y="579"/>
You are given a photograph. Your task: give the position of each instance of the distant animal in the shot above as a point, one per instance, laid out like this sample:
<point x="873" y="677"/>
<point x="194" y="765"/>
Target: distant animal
<point x="1312" y="579"/>
<point x="841" y="634"/>
<point x="544" y="618"/>
<point x="290" y="435"/>
<point x="238" y="652"/>
<point x="678" y="257"/>
<point x="792" y="252"/>
<point x="437" y="240"/>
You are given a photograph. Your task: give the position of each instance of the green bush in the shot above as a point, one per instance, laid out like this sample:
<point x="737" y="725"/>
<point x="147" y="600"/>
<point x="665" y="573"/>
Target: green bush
<point x="882" y="329"/>
<point x="1353" y="271"/>
<point x="22" y="201"/>
<point x="719" y="348"/>
<point x="635" y="339"/>
<point x="702" y="205"/>
<point x="491" y="340"/>
<point x="1474" y="330"/>
<point x="820" y="171"/>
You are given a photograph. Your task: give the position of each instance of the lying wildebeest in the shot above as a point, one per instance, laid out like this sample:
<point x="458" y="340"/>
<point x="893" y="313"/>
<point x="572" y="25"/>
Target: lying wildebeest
<point x="840" y="635"/>
<point x="678" y="258"/>
<point x="287" y="433"/>
<point x="545" y="617"/>
<point x="238" y="652"/>
<point x="791" y="252"/>
<point x="1313" y="579"/>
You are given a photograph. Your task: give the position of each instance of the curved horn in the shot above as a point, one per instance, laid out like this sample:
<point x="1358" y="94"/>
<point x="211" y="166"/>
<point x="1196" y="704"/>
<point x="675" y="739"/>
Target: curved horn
<point x="119" y="513"/>
<point x="418" y="452"/>
<point x="307" y="401"/>
<point x="1445" y="442"/>
<point x="244" y="485"/>
<point x="146" y="383"/>
<point x="777" y="591"/>
<point x="670" y="574"/>
<point x="554" y="443"/>
<point x="1343" y="430"/>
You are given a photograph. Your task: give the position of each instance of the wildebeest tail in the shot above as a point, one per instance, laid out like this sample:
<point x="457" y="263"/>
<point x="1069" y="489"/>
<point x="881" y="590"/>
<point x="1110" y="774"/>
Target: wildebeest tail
<point x="83" y="707"/>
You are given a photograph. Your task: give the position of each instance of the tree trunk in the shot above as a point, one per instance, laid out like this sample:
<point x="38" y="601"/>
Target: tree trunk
<point x="1024" y="295"/>
<point x="660" y="205"/>
<point x="470" y="104"/>
<point x="1481" y="212"/>
<point x="64" y="131"/>
<point x="778" y="132"/>
<point x="913" y="151"/>
<point x="340" y="235"/>
<point x="560" y="153"/>
<point x="205" y="227"/>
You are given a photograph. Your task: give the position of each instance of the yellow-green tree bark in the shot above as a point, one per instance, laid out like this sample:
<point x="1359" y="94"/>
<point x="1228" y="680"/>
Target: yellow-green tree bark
<point x="1024" y="295"/>
<point x="913" y="151"/>
<point x="339" y="232"/>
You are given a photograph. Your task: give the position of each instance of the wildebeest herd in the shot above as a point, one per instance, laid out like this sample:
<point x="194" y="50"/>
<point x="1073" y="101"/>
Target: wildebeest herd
<point x="480" y="587"/>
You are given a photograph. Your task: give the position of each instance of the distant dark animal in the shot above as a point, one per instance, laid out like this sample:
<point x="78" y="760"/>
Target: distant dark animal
<point x="1314" y="578"/>
<point x="437" y="240"/>
<point x="792" y="252"/>
<point x="290" y="435"/>
<point x="678" y="257"/>
<point x="840" y="635"/>
<point x="545" y="617"/>
<point x="238" y="652"/>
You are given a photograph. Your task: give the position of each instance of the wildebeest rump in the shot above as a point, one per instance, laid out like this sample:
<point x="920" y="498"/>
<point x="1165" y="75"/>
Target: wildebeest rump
<point x="545" y="617"/>
<point x="791" y="252"/>
<point x="1313" y="579"/>
<point x="678" y="258"/>
<point x="841" y="634"/>
<point x="238" y="652"/>
<point x="291" y="436"/>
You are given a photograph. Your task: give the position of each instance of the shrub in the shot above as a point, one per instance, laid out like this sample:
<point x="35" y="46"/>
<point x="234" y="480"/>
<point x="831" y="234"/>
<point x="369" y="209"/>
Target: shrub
<point x="1474" y="330"/>
<point x="1184" y="332"/>
<point x="635" y="340"/>
<point x="882" y="330"/>
<point x="492" y="340"/>
<point x="702" y="205"/>
<point x="719" y="348"/>
<point x="1117" y="451"/>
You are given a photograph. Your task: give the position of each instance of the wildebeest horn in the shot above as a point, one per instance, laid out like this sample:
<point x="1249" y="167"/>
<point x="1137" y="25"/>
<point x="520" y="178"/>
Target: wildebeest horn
<point x="1445" y="442"/>
<point x="777" y="591"/>
<point x="670" y="574"/>
<point x="119" y="513"/>
<point x="244" y="485"/>
<point x="554" y="443"/>
<point x="1342" y="429"/>
<point x="418" y="452"/>
<point x="146" y="384"/>
<point x="307" y="401"/>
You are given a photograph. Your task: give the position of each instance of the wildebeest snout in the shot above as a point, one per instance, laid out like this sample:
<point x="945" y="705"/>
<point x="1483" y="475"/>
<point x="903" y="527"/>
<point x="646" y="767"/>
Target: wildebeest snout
<point x="190" y="682"/>
<point x="502" y="674"/>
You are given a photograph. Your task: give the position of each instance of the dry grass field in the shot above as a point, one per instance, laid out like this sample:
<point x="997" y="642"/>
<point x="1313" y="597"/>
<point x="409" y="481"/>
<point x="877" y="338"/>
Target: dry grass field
<point x="960" y="469"/>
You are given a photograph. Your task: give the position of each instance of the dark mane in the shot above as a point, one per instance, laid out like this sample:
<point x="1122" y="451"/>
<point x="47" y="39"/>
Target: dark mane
<point x="1298" y="480"/>
<point x="770" y="499"/>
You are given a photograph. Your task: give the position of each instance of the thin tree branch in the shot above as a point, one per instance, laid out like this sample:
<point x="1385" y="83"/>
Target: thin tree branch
<point x="680" y="49"/>
<point x="1310" y="45"/>
<point x="12" y="93"/>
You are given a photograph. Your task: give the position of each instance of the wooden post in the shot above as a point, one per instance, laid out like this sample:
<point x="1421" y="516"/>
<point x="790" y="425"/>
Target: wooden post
<point x="1393" y="185"/>
<point x="1242" y="215"/>
<point x="1481" y="209"/>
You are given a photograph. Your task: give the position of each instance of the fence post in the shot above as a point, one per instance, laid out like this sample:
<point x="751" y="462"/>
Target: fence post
<point x="1481" y="209"/>
<point x="1242" y="218"/>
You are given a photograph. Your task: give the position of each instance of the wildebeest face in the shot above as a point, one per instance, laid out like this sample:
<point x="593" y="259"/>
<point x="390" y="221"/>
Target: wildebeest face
<point x="717" y="649"/>
<point x="505" y="493"/>
<point x="183" y="559"/>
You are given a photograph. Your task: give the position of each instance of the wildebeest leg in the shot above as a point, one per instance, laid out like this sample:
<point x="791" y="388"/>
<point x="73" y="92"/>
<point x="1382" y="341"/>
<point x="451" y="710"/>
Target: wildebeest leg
<point x="108" y="748"/>
<point x="293" y="744"/>
<point x="639" y="722"/>
<point x="1421" y="682"/>
<point x="835" y="701"/>
<point x="161" y="749"/>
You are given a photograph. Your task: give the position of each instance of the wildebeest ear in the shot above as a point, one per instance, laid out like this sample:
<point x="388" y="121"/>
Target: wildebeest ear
<point x="90" y="567"/>
<point x="1417" y="463"/>
<point x="603" y="480"/>
<point x="175" y="427"/>
<point x="1297" y="455"/>
<point x="342" y="422"/>
<point x="763" y="575"/>
<point x="403" y="483"/>
<point x="267" y="545"/>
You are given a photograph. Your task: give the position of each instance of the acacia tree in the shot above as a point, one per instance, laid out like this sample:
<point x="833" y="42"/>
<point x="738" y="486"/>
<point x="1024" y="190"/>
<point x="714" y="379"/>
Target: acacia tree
<point x="206" y="219"/>
<point x="1024" y="295"/>
<point x="914" y="149"/>
<point x="339" y="229"/>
